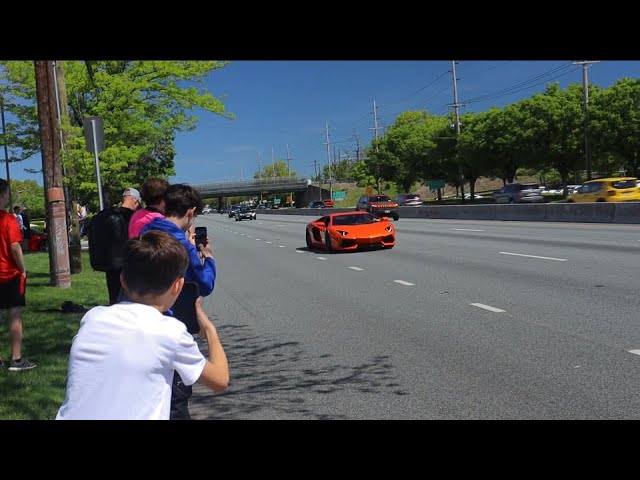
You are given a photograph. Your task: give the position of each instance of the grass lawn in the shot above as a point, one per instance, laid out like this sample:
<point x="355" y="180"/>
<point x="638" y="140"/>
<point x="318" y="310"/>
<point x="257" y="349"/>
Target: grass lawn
<point x="37" y="394"/>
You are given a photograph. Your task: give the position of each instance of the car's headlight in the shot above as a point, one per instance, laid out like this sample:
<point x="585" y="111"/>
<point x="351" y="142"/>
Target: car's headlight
<point x="389" y="228"/>
<point x="342" y="232"/>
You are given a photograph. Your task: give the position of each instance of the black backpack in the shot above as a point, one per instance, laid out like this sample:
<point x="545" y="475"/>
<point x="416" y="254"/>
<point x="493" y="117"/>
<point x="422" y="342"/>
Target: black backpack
<point x="108" y="235"/>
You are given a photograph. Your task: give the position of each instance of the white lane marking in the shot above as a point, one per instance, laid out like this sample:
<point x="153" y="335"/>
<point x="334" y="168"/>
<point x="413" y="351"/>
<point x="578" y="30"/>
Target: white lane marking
<point x="357" y="269"/>
<point x="467" y="230"/>
<point x="248" y="236"/>
<point x="242" y="234"/>
<point x="281" y="246"/>
<point x="402" y="282"/>
<point x="488" y="307"/>
<point x="321" y="258"/>
<point x="534" y="256"/>
<point x="279" y="225"/>
<point x="267" y="241"/>
<point x="260" y="223"/>
<point x="300" y="251"/>
<point x="635" y="352"/>
<point x="257" y="239"/>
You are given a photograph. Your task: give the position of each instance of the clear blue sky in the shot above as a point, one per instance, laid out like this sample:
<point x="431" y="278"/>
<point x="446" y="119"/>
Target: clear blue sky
<point x="288" y="102"/>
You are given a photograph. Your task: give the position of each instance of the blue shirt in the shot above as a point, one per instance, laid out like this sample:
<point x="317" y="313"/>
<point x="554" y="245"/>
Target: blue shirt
<point x="203" y="274"/>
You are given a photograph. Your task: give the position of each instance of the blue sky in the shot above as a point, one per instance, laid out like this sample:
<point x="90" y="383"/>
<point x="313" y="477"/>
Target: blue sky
<point x="288" y="102"/>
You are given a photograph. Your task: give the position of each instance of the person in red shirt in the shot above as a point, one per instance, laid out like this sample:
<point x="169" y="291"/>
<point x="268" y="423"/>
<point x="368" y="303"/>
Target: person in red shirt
<point x="13" y="280"/>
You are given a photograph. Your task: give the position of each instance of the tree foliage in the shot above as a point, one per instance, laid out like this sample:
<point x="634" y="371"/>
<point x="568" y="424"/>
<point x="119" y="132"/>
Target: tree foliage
<point x="143" y="105"/>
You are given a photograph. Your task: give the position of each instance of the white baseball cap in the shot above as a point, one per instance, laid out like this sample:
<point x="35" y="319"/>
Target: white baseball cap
<point x="132" y="192"/>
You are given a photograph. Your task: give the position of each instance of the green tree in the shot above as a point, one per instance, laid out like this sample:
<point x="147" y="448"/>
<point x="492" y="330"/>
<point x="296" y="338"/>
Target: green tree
<point x="143" y="105"/>
<point x="554" y="122"/>
<point x="278" y="168"/>
<point x="28" y="194"/>
<point x="614" y="127"/>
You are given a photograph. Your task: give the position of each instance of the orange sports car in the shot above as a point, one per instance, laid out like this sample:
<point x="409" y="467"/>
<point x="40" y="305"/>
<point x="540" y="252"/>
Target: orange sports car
<point x="350" y="231"/>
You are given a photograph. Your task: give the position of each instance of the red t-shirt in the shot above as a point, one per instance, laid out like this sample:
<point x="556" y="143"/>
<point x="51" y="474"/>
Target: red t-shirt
<point x="9" y="233"/>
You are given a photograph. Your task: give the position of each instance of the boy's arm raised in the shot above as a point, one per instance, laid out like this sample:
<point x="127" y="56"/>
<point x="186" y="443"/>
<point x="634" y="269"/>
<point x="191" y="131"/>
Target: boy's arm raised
<point x="215" y="374"/>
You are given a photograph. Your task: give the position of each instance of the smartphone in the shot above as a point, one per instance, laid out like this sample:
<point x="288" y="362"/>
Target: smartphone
<point x="201" y="236"/>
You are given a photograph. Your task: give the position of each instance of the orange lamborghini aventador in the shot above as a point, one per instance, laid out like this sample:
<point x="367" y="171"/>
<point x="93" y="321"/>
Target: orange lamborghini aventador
<point x="350" y="231"/>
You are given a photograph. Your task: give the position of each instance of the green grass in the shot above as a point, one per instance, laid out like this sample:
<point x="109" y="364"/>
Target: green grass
<point x="37" y="394"/>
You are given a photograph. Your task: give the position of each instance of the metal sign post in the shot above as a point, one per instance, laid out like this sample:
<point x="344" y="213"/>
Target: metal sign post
<point x="94" y="137"/>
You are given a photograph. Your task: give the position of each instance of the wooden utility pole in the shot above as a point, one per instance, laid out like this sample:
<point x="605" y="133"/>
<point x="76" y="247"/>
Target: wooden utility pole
<point x="62" y="109"/>
<point x="54" y="194"/>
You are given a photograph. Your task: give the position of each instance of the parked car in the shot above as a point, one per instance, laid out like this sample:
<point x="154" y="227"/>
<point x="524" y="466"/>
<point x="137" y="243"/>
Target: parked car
<point x="519" y="193"/>
<point x="409" y="200"/>
<point x="207" y="210"/>
<point x="316" y="204"/>
<point x="379" y="205"/>
<point x="38" y="241"/>
<point x="350" y="231"/>
<point x="616" y="189"/>
<point x="245" y="213"/>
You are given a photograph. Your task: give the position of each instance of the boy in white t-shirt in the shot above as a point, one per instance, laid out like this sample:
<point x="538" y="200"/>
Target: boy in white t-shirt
<point x="124" y="356"/>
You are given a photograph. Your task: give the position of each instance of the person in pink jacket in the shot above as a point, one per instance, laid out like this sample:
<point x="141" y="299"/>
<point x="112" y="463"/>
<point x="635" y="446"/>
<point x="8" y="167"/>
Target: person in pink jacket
<point x="152" y="192"/>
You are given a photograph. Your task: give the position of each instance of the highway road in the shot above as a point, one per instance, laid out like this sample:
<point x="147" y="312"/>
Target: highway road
<point x="461" y="320"/>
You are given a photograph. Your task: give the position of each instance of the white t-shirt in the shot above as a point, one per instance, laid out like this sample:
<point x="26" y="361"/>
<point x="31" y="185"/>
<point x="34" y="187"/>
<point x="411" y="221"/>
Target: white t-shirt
<point x="122" y="363"/>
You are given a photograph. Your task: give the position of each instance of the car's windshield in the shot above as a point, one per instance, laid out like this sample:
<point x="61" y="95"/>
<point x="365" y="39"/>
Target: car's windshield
<point x="354" y="219"/>
<point x="379" y="198"/>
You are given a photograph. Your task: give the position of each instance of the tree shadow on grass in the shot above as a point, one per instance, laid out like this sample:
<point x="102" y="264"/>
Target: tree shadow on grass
<point x="268" y="376"/>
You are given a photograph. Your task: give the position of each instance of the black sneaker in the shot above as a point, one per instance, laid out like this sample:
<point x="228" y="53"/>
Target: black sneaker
<point x="23" y="364"/>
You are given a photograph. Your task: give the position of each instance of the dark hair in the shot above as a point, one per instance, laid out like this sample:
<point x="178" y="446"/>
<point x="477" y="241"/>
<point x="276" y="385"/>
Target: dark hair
<point x="179" y="198"/>
<point x="153" y="190"/>
<point x="4" y="185"/>
<point x="153" y="262"/>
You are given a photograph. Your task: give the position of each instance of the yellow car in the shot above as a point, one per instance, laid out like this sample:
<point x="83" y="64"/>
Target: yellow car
<point x="616" y="189"/>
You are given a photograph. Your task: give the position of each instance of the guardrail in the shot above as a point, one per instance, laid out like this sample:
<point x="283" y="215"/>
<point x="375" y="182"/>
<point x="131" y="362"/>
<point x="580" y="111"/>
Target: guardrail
<point x="623" y="212"/>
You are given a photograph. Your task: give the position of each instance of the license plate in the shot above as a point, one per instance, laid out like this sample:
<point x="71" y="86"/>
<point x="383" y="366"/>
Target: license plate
<point x="387" y="211"/>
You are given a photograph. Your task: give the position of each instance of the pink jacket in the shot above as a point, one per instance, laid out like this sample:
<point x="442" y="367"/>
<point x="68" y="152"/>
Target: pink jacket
<point x="139" y="219"/>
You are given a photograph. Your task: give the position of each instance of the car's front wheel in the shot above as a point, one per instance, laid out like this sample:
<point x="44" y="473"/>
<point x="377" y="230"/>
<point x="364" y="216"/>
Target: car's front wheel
<point x="327" y="241"/>
<point x="308" y="238"/>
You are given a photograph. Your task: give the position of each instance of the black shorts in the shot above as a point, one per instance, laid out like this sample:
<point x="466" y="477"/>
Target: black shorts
<point x="10" y="294"/>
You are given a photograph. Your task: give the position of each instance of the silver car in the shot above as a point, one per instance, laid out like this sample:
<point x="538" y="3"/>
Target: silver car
<point x="519" y="193"/>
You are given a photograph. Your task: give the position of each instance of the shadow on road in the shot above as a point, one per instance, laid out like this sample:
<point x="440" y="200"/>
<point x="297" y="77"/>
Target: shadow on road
<point x="274" y="377"/>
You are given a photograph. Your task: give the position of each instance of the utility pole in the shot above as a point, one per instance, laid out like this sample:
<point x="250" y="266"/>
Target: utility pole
<point x="329" y="164"/>
<point x="273" y="166"/>
<point x="57" y="223"/>
<point x="457" y="126"/>
<point x="6" y="154"/>
<point x="585" y="88"/>
<point x="315" y="169"/>
<point x="375" y="136"/>
<point x="260" y="173"/>
<point x="75" y="247"/>
<point x="289" y="174"/>
<point x="357" y="145"/>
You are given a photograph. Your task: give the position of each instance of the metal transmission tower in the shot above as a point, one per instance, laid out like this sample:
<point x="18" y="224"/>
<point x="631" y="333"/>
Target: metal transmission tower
<point x="329" y="161"/>
<point x="456" y="105"/>
<point x="585" y="87"/>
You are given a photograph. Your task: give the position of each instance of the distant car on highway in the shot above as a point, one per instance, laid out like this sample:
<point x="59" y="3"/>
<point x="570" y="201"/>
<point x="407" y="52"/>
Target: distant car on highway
<point x="379" y="205"/>
<point x="409" y="200"/>
<point x="245" y="213"/>
<point x="615" y="189"/>
<point x="519" y="193"/>
<point x="350" y="231"/>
